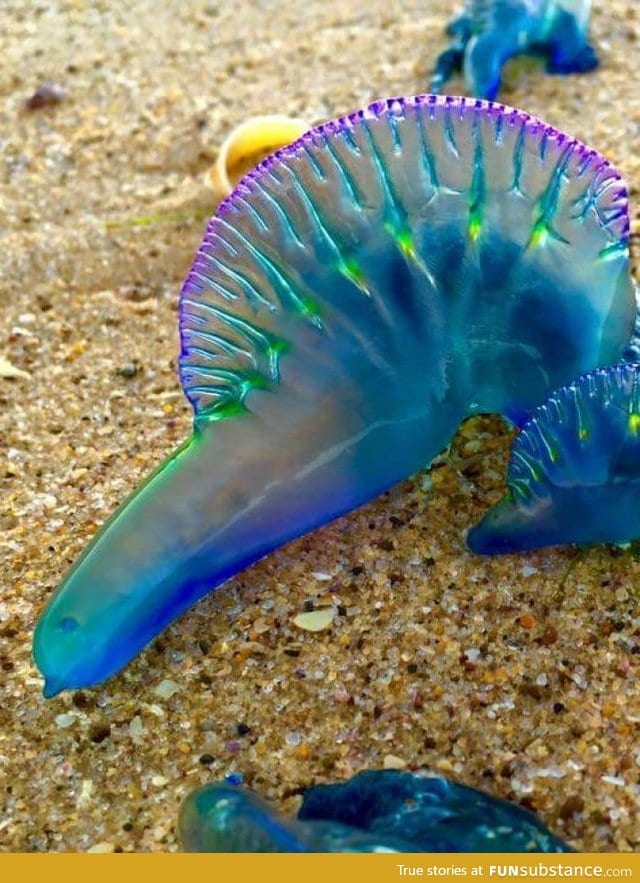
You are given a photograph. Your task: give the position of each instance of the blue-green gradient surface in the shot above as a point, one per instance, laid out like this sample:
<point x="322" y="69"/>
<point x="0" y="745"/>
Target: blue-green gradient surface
<point x="375" y="811"/>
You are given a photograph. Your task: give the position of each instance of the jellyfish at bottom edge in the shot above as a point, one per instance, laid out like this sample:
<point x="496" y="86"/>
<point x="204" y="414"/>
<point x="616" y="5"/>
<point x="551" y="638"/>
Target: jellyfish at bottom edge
<point x="376" y="811"/>
<point x="574" y="473"/>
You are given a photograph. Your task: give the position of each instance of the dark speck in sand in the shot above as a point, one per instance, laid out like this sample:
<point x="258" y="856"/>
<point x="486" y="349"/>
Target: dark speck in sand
<point x="46" y="95"/>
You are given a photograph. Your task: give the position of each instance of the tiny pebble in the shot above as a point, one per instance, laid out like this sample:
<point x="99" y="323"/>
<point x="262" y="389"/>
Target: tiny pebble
<point x="65" y="720"/>
<point x="46" y="95"/>
<point x="99" y="733"/>
<point x="393" y="762"/>
<point x="65" y="769"/>
<point x="613" y="780"/>
<point x="293" y="738"/>
<point x="166" y="689"/>
<point x="573" y="805"/>
<point x="86" y="790"/>
<point x="158" y="781"/>
<point x="135" y="727"/>
<point x="102" y="847"/>
<point x="315" y="620"/>
<point x="128" y="371"/>
<point x="9" y="370"/>
<point x="156" y="710"/>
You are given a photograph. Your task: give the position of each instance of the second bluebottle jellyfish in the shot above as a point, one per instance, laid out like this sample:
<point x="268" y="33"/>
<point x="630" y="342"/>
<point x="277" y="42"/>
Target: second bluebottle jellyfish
<point x="574" y="474"/>
<point x="490" y="32"/>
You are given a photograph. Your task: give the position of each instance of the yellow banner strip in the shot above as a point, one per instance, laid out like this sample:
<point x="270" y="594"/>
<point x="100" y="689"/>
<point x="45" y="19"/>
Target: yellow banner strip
<point x="157" y="868"/>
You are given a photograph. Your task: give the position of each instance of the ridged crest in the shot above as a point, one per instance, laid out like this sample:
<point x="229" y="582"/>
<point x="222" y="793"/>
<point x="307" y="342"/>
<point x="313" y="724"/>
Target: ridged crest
<point x="291" y="257"/>
<point x="587" y="433"/>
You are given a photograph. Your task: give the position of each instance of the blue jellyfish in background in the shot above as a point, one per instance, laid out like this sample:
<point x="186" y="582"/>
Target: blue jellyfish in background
<point x="490" y="32"/>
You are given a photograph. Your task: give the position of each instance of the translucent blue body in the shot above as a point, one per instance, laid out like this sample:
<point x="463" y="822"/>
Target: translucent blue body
<point x="356" y="297"/>
<point x="376" y="811"/>
<point x="574" y="475"/>
<point x="490" y="32"/>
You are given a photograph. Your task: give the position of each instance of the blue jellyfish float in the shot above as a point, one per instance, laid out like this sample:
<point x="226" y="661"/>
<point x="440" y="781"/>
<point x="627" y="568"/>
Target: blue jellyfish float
<point x="359" y="294"/>
<point x="375" y="811"/>
<point x="490" y="32"/>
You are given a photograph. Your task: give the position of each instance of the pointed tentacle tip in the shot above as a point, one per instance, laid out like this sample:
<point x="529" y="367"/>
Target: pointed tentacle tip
<point x="488" y="539"/>
<point x="52" y="687"/>
<point x="504" y="529"/>
<point x="44" y="645"/>
<point x="66" y="656"/>
<point x="55" y="679"/>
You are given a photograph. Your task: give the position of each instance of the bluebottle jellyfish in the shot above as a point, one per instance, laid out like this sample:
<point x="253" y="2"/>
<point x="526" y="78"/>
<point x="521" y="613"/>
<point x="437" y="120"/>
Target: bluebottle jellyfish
<point x="375" y="811"/>
<point x="574" y="474"/>
<point x="490" y="32"/>
<point x="358" y="295"/>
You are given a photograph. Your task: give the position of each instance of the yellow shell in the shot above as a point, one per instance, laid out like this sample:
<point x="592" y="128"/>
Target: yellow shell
<point x="249" y="143"/>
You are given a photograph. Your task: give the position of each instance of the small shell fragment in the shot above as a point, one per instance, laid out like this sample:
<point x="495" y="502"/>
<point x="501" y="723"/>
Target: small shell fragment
<point x="9" y="370"/>
<point x="248" y="144"/>
<point x="46" y="95"/>
<point x="315" y="620"/>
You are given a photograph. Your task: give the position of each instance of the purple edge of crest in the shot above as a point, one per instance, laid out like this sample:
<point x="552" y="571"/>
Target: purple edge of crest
<point x="543" y="409"/>
<point x="378" y="108"/>
<point x="591" y="158"/>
